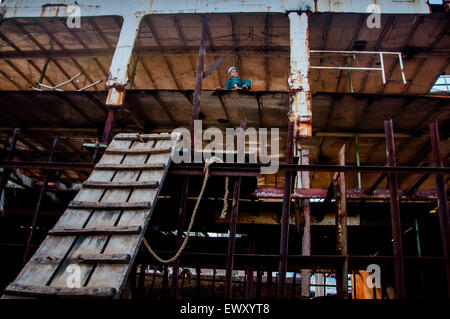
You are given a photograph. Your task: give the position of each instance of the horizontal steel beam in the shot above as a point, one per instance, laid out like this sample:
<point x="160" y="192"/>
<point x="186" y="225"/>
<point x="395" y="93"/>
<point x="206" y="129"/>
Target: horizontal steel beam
<point x="238" y="169"/>
<point x="267" y="262"/>
<point x="92" y="8"/>
<point x="247" y="169"/>
<point x="351" y="193"/>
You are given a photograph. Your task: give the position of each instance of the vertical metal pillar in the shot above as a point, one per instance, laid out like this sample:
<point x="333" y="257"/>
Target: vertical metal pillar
<point x="306" y="238"/>
<point x="118" y="77"/>
<point x="299" y="89"/>
<point x="232" y="238"/>
<point x="293" y="285"/>
<point x="357" y="160"/>
<point x="198" y="271"/>
<point x="234" y="220"/>
<point x="419" y="254"/>
<point x="285" y="215"/>
<point x="7" y="171"/>
<point x="400" y="292"/>
<point x="165" y="282"/>
<point x="178" y="240"/>
<point x="251" y="250"/>
<point x="259" y="274"/>
<point x="199" y="78"/>
<point x="444" y="218"/>
<point x="107" y="134"/>
<point x="38" y="206"/>
<point x="214" y="283"/>
<point x="341" y="229"/>
<point x="141" y="281"/>
<point x="269" y="283"/>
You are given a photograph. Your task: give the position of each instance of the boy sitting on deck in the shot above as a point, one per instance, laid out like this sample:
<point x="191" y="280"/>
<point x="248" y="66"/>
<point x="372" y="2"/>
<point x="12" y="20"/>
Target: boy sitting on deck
<point x="234" y="83"/>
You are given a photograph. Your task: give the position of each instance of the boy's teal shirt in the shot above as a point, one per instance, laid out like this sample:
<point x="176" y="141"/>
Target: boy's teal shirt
<point x="232" y="82"/>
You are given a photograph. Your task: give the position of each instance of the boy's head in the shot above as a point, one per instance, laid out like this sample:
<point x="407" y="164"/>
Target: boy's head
<point x="232" y="72"/>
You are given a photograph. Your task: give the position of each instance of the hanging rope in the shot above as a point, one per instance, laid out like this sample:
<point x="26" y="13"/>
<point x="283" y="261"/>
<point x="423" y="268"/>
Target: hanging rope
<point x="208" y="163"/>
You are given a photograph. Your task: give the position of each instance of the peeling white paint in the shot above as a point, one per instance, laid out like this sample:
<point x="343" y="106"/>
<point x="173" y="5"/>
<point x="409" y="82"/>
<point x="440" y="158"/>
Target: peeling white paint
<point x="33" y="8"/>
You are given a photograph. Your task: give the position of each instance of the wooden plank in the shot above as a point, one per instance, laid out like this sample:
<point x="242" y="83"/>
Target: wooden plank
<point x="116" y="275"/>
<point x="34" y="273"/>
<point x="144" y="184"/>
<point x="109" y="205"/>
<point x="139" y="151"/>
<point x="65" y="231"/>
<point x="145" y="137"/>
<point x="45" y="291"/>
<point x="144" y="167"/>
<point x="52" y="272"/>
<point x="104" y="258"/>
<point x="102" y="218"/>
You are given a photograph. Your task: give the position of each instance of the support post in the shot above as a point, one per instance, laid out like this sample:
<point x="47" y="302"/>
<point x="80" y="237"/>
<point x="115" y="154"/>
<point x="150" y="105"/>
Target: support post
<point x="39" y="203"/>
<point x="284" y="240"/>
<point x="118" y="77"/>
<point x="270" y="283"/>
<point x="419" y="254"/>
<point x="178" y="240"/>
<point x="259" y="274"/>
<point x="357" y="159"/>
<point x="341" y="229"/>
<point x="395" y="213"/>
<point x="444" y="218"/>
<point x="306" y="238"/>
<point x="232" y="238"/>
<point x="165" y="283"/>
<point x="299" y="89"/>
<point x="234" y="217"/>
<point x="107" y="134"/>
<point x="251" y="250"/>
<point x="9" y="158"/>
<point x="141" y="281"/>
<point x="199" y="78"/>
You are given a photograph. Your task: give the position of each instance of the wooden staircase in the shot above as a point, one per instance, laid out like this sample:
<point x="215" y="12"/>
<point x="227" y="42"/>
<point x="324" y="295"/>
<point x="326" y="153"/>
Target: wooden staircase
<point x="96" y="240"/>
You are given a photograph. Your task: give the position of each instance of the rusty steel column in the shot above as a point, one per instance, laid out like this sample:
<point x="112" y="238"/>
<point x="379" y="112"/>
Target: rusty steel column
<point x="444" y="218"/>
<point x="107" y="134"/>
<point x="232" y="238"/>
<point x="118" y="77"/>
<point x="299" y="89"/>
<point x="178" y="240"/>
<point x="39" y="203"/>
<point x="284" y="240"/>
<point x="9" y="158"/>
<point x="400" y="292"/>
<point x="306" y="238"/>
<point x="251" y="250"/>
<point x="199" y="78"/>
<point x="341" y="228"/>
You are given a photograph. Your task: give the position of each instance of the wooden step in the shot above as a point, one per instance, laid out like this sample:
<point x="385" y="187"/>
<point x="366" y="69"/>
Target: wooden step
<point x="145" y="137"/>
<point x="124" y="230"/>
<point x="104" y="258"/>
<point x="138" y="167"/>
<point x="110" y="206"/>
<point x="45" y="291"/>
<point x="137" y="151"/>
<point x="121" y="185"/>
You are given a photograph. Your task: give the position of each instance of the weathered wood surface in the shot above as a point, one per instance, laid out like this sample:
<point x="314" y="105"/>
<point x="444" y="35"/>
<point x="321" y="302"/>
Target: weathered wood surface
<point x="47" y="268"/>
<point x="97" y="184"/>
<point x="114" y="167"/>
<point x="45" y="291"/>
<point x="139" y="151"/>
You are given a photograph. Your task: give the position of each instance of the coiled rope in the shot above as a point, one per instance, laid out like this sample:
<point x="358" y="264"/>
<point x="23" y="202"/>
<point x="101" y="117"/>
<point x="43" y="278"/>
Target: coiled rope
<point x="208" y="163"/>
